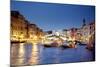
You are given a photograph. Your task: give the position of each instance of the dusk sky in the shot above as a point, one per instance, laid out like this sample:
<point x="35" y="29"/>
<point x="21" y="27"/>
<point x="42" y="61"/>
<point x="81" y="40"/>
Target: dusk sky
<point x="54" y="16"/>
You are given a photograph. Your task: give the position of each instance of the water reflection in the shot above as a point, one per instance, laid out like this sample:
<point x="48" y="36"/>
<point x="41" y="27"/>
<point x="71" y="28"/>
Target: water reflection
<point x="21" y="52"/>
<point x="24" y="54"/>
<point x="14" y="53"/>
<point x="17" y="54"/>
<point x="32" y="54"/>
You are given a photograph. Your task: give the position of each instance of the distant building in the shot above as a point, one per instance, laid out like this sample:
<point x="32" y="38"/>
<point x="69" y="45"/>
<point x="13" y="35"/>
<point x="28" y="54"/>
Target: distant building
<point x="91" y="42"/>
<point x="49" y="32"/>
<point x="79" y="35"/>
<point x="71" y="34"/>
<point x="87" y="31"/>
<point x="32" y="31"/>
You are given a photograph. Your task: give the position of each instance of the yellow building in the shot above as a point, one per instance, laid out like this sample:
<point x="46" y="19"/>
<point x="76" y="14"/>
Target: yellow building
<point x="35" y="33"/>
<point x="88" y="31"/>
<point x="32" y="31"/>
<point x="22" y="30"/>
<point x="18" y="26"/>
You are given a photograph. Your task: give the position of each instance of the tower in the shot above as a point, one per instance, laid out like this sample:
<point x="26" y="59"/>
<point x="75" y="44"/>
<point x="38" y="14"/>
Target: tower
<point x="84" y="22"/>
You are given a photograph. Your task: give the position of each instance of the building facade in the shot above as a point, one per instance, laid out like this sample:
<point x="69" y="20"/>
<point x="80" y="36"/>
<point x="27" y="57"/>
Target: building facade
<point x="18" y="26"/>
<point x="22" y="30"/>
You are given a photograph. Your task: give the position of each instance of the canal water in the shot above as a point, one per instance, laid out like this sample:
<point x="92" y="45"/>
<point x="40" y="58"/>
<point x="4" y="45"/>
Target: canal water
<point x="29" y="54"/>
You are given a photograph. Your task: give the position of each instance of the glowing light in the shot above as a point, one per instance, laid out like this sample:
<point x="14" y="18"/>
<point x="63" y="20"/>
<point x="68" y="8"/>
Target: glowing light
<point x="34" y="55"/>
<point x="57" y="33"/>
<point x="21" y="50"/>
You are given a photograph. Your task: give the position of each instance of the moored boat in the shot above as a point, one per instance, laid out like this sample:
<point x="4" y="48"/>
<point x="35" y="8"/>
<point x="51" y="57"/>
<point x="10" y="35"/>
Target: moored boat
<point x="47" y="45"/>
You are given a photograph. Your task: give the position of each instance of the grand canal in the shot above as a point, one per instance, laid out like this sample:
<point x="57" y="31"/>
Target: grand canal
<point x="29" y="54"/>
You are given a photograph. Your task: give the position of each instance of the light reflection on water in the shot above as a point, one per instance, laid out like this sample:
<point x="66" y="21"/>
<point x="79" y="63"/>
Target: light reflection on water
<point x="30" y="54"/>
